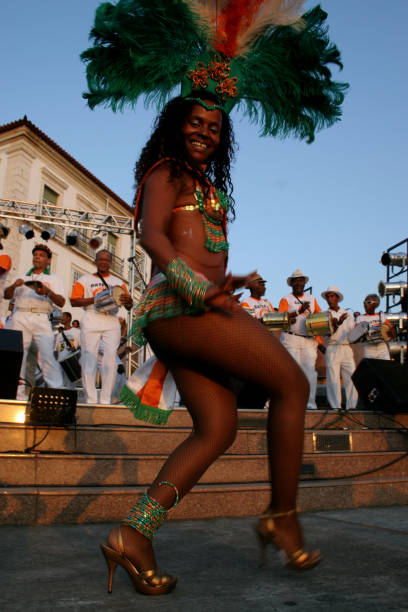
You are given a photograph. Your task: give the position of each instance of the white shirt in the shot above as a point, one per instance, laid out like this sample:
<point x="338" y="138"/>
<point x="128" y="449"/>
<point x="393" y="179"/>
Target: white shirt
<point x="88" y="285"/>
<point x="60" y="345"/>
<point x="257" y="307"/>
<point x="24" y="297"/>
<point x="375" y="320"/>
<point x="290" y="303"/>
<point x="5" y="264"/>
<point x="341" y="333"/>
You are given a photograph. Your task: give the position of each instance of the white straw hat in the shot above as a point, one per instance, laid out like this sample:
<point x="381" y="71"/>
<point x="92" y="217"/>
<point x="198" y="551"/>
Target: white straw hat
<point x="296" y="274"/>
<point x="332" y="289"/>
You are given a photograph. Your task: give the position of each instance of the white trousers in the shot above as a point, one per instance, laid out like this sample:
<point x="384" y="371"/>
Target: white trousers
<point x="37" y="327"/>
<point x="97" y="328"/>
<point x="340" y="362"/>
<point x="375" y="351"/>
<point x="304" y="351"/>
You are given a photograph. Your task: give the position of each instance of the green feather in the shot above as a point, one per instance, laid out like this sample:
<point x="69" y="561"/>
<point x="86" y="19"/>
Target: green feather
<point x="141" y="47"/>
<point x="287" y="82"/>
<point x="145" y="47"/>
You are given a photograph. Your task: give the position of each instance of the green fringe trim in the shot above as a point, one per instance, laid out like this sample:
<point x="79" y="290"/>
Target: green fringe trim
<point x="143" y="412"/>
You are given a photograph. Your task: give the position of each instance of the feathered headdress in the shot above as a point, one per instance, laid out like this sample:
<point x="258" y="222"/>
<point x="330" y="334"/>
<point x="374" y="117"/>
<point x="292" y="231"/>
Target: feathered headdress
<point x="260" y="54"/>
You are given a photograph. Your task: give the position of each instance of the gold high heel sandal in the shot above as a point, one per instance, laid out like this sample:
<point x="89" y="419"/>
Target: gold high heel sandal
<point x="266" y="531"/>
<point x="148" y="582"/>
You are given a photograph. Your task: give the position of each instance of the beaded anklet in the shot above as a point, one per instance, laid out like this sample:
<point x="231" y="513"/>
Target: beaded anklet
<point x="148" y="514"/>
<point x="189" y="285"/>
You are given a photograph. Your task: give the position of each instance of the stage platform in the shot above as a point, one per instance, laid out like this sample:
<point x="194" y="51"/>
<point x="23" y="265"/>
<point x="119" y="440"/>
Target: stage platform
<point x="94" y="472"/>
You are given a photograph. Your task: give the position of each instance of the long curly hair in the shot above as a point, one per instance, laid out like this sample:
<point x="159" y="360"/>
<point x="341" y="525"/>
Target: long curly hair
<point x="167" y="141"/>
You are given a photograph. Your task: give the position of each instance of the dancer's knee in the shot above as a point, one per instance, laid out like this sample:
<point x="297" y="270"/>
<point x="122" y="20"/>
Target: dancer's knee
<point x="218" y="438"/>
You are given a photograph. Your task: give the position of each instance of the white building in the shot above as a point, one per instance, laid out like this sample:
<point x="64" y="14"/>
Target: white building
<point x="35" y="169"/>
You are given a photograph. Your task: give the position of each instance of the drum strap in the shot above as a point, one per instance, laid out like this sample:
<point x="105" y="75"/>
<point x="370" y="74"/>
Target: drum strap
<point x="103" y="280"/>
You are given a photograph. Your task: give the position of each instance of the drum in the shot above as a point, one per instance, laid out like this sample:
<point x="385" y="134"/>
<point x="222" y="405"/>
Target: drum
<point x="358" y="333"/>
<point x="365" y="332"/>
<point x="276" y="321"/>
<point x="55" y="318"/>
<point x="319" y="324"/>
<point x="108" y="301"/>
<point x="72" y="366"/>
<point x="375" y="334"/>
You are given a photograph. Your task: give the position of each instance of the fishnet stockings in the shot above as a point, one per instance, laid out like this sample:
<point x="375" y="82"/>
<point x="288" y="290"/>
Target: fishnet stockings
<point x="201" y="353"/>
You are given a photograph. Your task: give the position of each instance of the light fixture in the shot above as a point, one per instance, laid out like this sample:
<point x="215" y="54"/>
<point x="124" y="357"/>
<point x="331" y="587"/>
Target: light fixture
<point x="394" y="259"/>
<point x="4" y="230"/>
<point x="48" y="232"/>
<point x="52" y="406"/>
<point x="95" y="241"/>
<point x="26" y="230"/>
<point x="398" y="318"/>
<point x="392" y="288"/>
<point x="71" y="239"/>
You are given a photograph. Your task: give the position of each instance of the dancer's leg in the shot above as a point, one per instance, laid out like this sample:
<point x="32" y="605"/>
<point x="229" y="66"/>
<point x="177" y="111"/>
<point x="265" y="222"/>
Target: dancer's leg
<point x="213" y="409"/>
<point x="239" y="345"/>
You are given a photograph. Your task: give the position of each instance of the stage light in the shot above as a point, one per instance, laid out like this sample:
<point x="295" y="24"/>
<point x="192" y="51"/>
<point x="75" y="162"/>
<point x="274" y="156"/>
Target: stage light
<point x="392" y="288"/>
<point x="96" y="241"/>
<point x="52" y="407"/>
<point x="71" y="239"/>
<point x="397" y="347"/>
<point x="394" y="259"/>
<point x="26" y="230"/>
<point x="398" y="318"/>
<point x="4" y="230"/>
<point x="48" y="232"/>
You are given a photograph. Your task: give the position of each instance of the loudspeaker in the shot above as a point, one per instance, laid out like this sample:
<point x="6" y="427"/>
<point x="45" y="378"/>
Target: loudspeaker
<point x="382" y="385"/>
<point x="11" y="355"/>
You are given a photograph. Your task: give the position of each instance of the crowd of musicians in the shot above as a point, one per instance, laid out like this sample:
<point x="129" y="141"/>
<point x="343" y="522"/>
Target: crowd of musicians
<point x="100" y="339"/>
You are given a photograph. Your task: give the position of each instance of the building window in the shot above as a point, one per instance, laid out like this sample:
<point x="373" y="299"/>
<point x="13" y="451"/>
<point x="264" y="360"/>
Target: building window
<point x="76" y="274"/>
<point x="50" y="196"/>
<point x="112" y="243"/>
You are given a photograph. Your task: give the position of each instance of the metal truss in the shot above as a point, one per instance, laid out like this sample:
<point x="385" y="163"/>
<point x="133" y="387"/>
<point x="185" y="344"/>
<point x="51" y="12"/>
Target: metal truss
<point x="48" y="214"/>
<point x="55" y="215"/>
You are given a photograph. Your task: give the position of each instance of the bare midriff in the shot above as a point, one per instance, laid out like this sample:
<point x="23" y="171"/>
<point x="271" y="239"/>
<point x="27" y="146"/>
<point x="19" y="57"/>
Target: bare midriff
<point x="187" y="235"/>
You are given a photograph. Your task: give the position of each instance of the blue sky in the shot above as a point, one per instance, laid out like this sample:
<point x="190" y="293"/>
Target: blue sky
<point x="330" y="208"/>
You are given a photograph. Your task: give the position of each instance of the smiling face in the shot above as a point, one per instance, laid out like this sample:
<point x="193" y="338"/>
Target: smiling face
<point x="201" y="131"/>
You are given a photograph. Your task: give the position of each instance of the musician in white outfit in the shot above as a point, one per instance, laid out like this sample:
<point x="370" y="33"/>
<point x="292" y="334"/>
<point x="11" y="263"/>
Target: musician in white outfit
<point x="376" y="321"/>
<point x="338" y="353"/>
<point x="33" y="305"/>
<point x="66" y="341"/>
<point x="99" y="326"/>
<point x="297" y="342"/>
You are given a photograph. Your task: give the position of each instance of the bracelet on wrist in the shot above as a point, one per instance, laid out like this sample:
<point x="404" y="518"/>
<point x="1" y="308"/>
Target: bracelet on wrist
<point x="189" y="285"/>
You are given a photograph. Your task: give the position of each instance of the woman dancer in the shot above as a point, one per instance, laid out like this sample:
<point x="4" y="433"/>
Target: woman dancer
<point x="203" y="349"/>
<point x="274" y="62"/>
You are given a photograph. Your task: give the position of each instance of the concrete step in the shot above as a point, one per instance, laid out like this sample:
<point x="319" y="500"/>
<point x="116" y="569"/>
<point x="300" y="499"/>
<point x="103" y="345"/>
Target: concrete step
<point x="131" y="470"/>
<point x="41" y="506"/>
<point x="12" y="411"/>
<point x="122" y="440"/>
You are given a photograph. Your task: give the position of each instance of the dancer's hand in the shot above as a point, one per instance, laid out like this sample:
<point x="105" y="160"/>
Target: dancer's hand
<point x="222" y="297"/>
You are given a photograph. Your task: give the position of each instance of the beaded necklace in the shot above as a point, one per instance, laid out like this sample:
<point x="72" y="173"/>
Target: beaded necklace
<point x="214" y="211"/>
